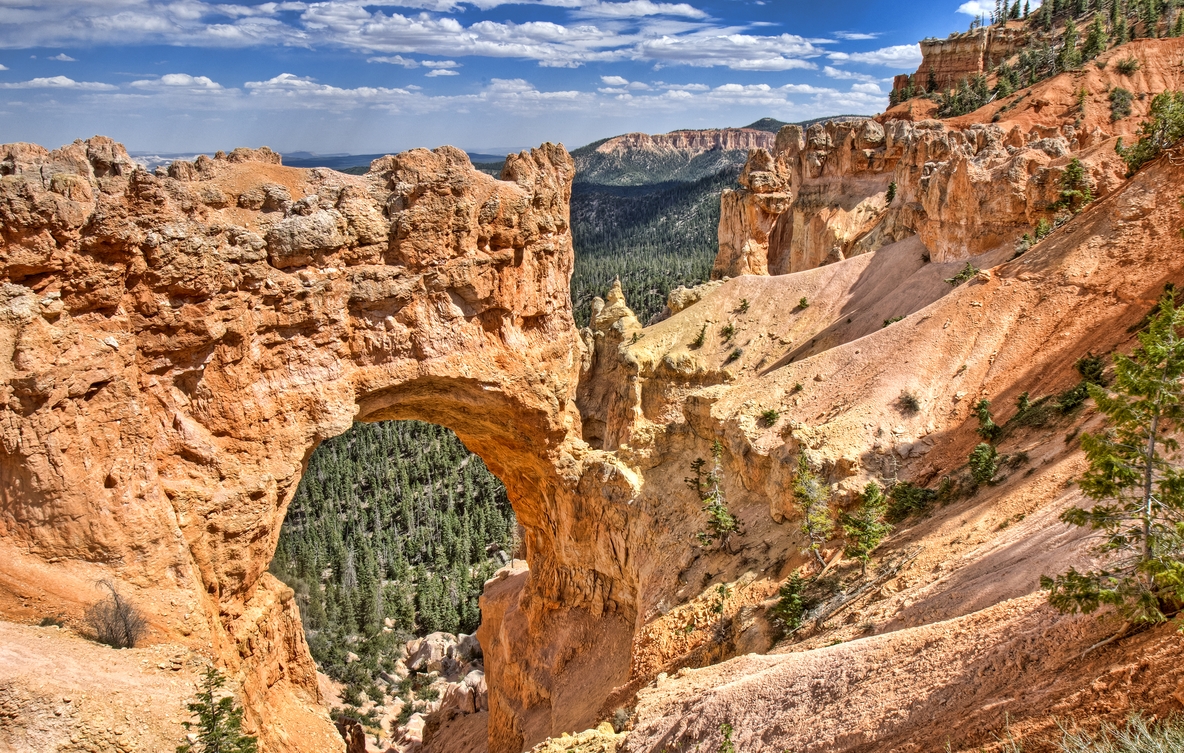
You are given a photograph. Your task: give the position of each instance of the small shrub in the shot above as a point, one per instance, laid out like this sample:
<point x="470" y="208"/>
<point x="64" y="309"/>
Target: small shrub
<point x="906" y="499"/>
<point x="967" y="273"/>
<point x="620" y="719"/>
<point x="743" y="307"/>
<point x="57" y="621"/>
<point x="1138" y="735"/>
<point x="803" y="303"/>
<point x="734" y="355"/>
<point x="1023" y="403"/>
<point x="1091" y="368"/>
<point x="699" y="338"/>
<point x="891" y="193"/>
<point x="909" y="402"/>
<point x="769" y="416"/>
<point x="812" y="496"/>
<point x="797" y="387"/>
<point x="727" y="746"/>
<point x="1076" y="190"/>
<point x="792" y="603"/>
<point x="1164" y="128"/>
<point x="728" y="331"/>
<point x="1120" y="103"/>
<point x="1127" y="65"/>
<point x="114" y="620"/>
<point x="984" y="463"/>
<point x="893" y="320"/>
<point x="987" y="428"/>
<point x="1072" y="398"/>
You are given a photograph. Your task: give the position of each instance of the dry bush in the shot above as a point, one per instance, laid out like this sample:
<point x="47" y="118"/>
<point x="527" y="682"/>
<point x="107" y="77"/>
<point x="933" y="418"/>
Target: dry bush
<point x="114" y="620"/>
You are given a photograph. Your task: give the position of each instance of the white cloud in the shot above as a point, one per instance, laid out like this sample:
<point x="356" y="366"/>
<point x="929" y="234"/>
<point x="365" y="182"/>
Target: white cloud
<point x="866" y="88"/>
<point x="395" y="60"/>
<point x="59" y="82"/>
<point x="898" y="56"/>
<point x="441" y="72"/>
<point x="855" y="36"/>
<point x="178" y="81"/>
<point x="841" y="74"/>
<point x="615" y="80"/>
<point x="441" y="64"/>
<point x="976" y="8"/>
<point x="3" y="67"/>
<point x="63" y="57"/>
<point x="639" y="9"/>
<point x="744" y="52"/>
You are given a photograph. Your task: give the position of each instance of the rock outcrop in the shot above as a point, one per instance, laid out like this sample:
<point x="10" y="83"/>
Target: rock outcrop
<point x="691" y="143"/>
<point x="176" y="344"/>
<point x="946" y="62"/>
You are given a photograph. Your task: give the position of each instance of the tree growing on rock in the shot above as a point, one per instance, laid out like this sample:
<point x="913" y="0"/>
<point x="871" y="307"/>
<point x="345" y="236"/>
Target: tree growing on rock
<point x="218" y="728"/>
<point x="1139" y="486"/>
<point x="865" y="527"/>
<point x="813" y="499"/>
<point x="721" y="524"/>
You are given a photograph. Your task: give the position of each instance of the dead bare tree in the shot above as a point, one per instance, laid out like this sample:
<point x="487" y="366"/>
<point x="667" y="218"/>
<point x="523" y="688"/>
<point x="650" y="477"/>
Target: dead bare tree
<point x="115" y="620"/>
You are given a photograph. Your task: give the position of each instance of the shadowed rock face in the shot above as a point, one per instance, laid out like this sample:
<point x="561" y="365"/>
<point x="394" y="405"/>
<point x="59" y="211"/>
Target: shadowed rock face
<point x="175" y="346"/>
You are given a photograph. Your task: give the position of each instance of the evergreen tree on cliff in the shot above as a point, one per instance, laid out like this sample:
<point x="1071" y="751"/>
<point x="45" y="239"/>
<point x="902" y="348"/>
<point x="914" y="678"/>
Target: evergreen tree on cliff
<point x="218" y="728"/>
<point x="1141" y="516"/>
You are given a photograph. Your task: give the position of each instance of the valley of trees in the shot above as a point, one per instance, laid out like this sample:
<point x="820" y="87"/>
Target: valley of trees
<point x="393" y="531"/>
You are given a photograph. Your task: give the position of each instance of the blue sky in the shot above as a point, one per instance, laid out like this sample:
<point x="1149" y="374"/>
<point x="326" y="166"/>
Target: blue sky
<point x="357" y="76"/>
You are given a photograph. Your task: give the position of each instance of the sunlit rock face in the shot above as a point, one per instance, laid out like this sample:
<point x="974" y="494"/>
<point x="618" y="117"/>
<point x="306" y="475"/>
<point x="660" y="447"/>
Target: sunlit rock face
<point x="177" y="343"/>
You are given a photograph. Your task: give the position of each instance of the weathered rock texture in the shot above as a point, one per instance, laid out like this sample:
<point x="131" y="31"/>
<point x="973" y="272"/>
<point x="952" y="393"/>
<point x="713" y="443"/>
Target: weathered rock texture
<point x="690" y="142"/>
<point x="946" y="62"/>
<point x="177" y="344"/>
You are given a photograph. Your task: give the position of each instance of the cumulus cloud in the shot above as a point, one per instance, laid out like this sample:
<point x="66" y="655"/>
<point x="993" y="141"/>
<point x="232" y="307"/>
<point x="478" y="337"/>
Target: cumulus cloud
<point x="59" y="82"/>
<point x="615" y="80"/>
<point x="395" y="60"/>
<point x="976" y="8"/>
<point x="844" y="75"/>
<point x="3" y="67"/>
<point x="441" y="64"/>
<point x="855" y="36"/>
<point x="897" y="56"/>
<point x="64" y="58"/>
<point x="639" y="9"/>
<point x="178" y="81"/>
<point x="866" y="88"/>
<point x="441" y="72"/>
<point x="744" y="52"/>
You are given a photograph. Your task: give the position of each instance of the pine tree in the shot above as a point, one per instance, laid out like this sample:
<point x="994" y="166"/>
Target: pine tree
<point x="1027" y="9"/>
<point x="1069" y="57"/>
<point x="218" y="727"/>
<point x="813" y="499"/>
<point x="1132" y="473"/>
<point x="865" y="528"/>
<point x="1096" y="40"/>
<point x="721" y="524"/>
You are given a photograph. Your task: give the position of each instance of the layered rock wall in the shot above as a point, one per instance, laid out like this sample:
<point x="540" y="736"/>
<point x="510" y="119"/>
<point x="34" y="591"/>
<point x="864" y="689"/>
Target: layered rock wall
<point x="690" y="142"/>
<point x="946" y="62"/>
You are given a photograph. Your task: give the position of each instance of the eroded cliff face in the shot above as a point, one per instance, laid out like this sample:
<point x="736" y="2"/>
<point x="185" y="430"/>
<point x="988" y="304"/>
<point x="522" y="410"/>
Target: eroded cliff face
<point x="176" y="344"/>
<point x="946" y="62"/>
<point x="691" y="143"/>
<point x="821" y="195"/>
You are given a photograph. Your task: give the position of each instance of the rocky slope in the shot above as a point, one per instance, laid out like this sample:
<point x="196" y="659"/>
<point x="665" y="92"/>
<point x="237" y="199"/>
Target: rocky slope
<point x="178" y="344"/>
<point x="964" y="185"/>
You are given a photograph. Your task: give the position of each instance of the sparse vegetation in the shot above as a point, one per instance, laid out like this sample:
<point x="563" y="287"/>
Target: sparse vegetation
<point x="984" y="463"/>
<point x="699" y="338"/>
<point x="734" y="355"/>
<point x="1120" y="103"/>
<point x="909" y="402"/>
<point x="743" y="307"/>
<point x="865" y="528"/>
<point x="1132" y="473"/>
<point x="803" y="303"/>
<point x="906" y="499"/>
<point x="1138" y="735"/>
<point x="620" y="719"/>
<point x="892" y="320"/>
<point x="1164" y="128"/>
<point x="792" y="603"/>
<point x="1076" y="190"/>
<point x="967" y="273"/>
<point x="721" y="524"/>
<point x="727" y="331"/>
<point x="987" y="428"/>
<point x="1127" y="66"/>
<point x="218" y="728"/>
<point x="114" y="620"/>
<point x="812" y="496"/>
<point x="891" y="193"/>
<point x="769" y="416"/>
<point x="726" y="746"/>
<point x="969" y="95"/>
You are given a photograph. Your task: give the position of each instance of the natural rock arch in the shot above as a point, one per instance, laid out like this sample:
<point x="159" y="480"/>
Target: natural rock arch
<point x="177" y="344"/>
